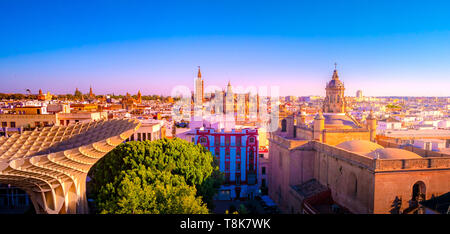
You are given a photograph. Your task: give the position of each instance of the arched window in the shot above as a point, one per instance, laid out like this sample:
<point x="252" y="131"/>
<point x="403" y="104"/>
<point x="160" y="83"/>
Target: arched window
<point x="352" y="185"/>
<point x="418" y="191"/>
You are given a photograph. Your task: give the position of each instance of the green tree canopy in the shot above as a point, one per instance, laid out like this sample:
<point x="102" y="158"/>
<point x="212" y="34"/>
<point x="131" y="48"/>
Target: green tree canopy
<point x="167" y="176"/>
<point x="77" y="94"/>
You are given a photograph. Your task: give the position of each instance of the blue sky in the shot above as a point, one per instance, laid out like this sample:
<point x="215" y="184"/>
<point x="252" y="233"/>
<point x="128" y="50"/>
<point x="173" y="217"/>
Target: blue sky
<point x="381" y="47"/>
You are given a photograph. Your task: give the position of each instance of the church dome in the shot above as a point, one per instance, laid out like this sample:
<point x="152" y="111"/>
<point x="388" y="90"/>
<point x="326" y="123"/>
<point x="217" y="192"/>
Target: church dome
<point x="392" y="153"/>
<point x="335" y="84"/>
<point x="339" y="121"/>
<point x="359" y="146"/>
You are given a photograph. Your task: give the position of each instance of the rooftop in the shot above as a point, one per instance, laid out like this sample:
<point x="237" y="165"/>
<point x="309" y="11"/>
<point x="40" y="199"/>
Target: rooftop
<point x="359" y="146"/>
<point x="418" y="133"/>
<point x="309" y="188"/>
<point x="392" y="153"/>
<point x="390" y="120"/>
<point x="340" y="121"/>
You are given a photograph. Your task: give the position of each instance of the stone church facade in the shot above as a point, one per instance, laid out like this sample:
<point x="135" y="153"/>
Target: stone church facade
<point x="337" y="165"/>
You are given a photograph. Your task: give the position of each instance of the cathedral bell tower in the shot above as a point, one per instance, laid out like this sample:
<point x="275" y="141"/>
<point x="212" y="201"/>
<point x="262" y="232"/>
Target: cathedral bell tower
<point x="198" y="98"/>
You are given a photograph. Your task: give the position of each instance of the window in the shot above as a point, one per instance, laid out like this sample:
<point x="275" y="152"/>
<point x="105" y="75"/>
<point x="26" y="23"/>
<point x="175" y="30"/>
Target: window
<point x="217" y="140"/>
<point x="238" y="166"/>
<point x="227" y="178"/>
<point x="45" y="123"/>
<point x="77" y="121"/>
<point x="67" y="122"/>
<point x="238" y="178"/>
<point x="251" y="140"/>
<point x="238" y="140"/>
<point x="227" y="140"/>
<point x="352" y="186"/>
<point x="4" y="124"/>
<point x="193" y="139"/>
<point x="149" y="136"/>
<point x="428" y="146"/>
<point x="227" y="166"/>
<point x="61" y="122"/>
<point x="217" y="151"/>
<point x="263" y="170"/>
<point x="261" y="155"/>
<point x="203" y="140"/>
<point x="251" y="155"/>
<point x="13" y="124"/>
<point x="139" y="136"/>
<point x="144" y="136"/>
<point x="283" y="125"/>
<point x="37" y="124"/>
<point x="132" y="137"/>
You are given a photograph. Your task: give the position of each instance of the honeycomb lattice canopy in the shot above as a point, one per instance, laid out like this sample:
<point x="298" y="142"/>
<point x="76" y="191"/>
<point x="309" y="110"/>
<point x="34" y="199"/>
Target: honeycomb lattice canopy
<point x="51" y="164"/>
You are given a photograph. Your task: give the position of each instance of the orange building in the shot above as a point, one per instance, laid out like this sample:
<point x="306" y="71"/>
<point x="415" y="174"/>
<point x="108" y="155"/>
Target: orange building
<point x="44" y="97"/>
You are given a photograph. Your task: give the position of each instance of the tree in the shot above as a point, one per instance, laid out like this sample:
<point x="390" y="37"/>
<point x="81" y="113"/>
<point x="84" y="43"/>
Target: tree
<point x="159" y="177"/>
<point x="77" y="94"/>
<point x="174" y="129"/>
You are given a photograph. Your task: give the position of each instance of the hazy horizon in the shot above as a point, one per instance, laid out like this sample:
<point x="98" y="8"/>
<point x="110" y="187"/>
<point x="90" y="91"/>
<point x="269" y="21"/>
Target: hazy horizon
<point x="383" y="48"/>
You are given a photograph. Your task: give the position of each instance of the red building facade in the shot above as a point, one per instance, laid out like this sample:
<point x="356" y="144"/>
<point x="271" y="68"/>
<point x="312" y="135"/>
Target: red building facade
<point x="237" y="152"/>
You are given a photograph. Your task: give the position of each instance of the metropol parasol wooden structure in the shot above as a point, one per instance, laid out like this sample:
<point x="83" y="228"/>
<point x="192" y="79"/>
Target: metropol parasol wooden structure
<point x="51" y="164"/>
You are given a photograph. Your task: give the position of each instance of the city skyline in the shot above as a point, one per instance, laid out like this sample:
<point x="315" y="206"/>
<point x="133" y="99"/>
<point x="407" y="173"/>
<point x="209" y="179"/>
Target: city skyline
<point x="387" y="49"/>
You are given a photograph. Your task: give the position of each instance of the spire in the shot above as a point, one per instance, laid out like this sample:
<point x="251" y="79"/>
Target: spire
<point x="335" y="74"/>
<point x="91" y="94"/>
<point x="229" y="89"/>
<point x="199" y="75"/>
<point x="139" y="97"/>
